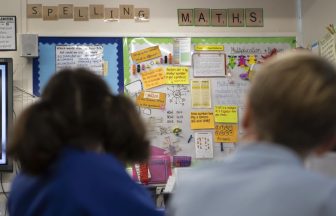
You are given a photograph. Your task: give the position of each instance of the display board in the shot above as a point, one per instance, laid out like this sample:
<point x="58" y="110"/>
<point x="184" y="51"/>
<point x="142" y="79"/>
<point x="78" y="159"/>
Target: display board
<point x="191" y="91"/>
<point x="103" y="55"/>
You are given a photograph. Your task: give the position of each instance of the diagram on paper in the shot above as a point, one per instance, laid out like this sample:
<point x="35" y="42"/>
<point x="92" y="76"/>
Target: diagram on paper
<point x="177" y="94"/>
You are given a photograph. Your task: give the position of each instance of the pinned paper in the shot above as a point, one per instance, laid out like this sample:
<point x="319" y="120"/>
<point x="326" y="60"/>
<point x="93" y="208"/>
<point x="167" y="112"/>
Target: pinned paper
<point x="133" y="88"/>
<point x="226" y="114"/>
<point x="227" y="133"/>
<point x="204" y="145"/>
<point x="146" y="54"/>
<point x="182" y="51"/>
<point x="209" y="47"/>
<point x="154" y="100"/>
<point x="153" y="78"/>
<point x="177" y="75"/>
<point x="200" y="94"/>
<point x="201" y="120"/>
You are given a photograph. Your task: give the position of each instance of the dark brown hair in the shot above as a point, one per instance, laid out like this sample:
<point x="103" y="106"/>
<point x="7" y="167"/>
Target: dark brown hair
<point x="77" y="109"/>
<point x="293" y="101"/>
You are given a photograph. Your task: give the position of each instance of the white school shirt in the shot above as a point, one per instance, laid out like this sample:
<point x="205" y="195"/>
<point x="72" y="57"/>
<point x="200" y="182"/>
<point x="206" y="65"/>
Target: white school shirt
<point x="261" y="179"/>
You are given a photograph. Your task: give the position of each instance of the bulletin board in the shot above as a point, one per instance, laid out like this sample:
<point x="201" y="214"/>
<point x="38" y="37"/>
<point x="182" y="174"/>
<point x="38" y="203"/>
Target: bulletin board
<point x="191" y="91"/>
<point x="101" y="53"/>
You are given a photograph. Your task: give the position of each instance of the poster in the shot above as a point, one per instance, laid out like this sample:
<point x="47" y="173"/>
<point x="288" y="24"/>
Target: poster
<point x="201" y="120"/>
<point x="146" y="54"/>
<point x="200" y="94"/>
<point x="209" y="64"/>
<point x="203" y="145"/>
<point x="153" y="78"/>
<point x="86" y="56"/>
<point x="182" y="51"/>
<point x="177" y="75"/>
<point x="154" y="100"/>
<point x="226" y="133"/>
<point x="226" y="114"/>
<point x="7" y="33"/>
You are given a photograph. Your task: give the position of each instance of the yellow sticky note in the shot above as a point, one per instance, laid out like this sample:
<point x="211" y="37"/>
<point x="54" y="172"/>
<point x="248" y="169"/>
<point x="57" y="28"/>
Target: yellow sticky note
<point x="153" y="78"/>
<point x="227" y="133"/>
<point x="154" y="100"/>
<point x="202" y="120"/>
<point x="177" y="75"/>
<point x="226" y="114"/>
<point x="146" y="54"/>
<point x="202" y="47"/>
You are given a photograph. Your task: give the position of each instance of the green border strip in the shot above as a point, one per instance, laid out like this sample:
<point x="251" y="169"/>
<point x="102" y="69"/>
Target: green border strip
<point x="217" y="40"/>
<point x="196" y="40"/>
<point x="128" y="41"/>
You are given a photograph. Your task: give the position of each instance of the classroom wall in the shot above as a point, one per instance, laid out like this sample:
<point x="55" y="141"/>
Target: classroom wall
<point x="316" y="15"/>
<point x="279" y="20"/>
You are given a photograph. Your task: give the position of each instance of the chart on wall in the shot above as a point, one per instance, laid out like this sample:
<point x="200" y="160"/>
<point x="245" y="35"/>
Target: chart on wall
<point x="102" y="55"/>
<point x="191" y="91"/>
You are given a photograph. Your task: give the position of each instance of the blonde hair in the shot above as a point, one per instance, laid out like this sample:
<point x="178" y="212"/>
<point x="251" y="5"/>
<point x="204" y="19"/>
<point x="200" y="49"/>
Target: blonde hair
<point x="293" y="101"/>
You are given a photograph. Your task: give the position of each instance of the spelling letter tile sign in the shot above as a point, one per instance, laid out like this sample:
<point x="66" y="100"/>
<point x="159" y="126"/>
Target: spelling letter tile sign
<point x="154" y="100"/>
<point x="146" y="54"/>
<point x="153" y="78"/>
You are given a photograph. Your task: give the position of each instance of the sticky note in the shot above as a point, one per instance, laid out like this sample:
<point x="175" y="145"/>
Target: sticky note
<point x="201" y="120"/>
<point x="153" y="78"/>
<point x="226" y="114"/>
<point x="227" y="133"/>
<point x="201" y="47"/>
<point x="146" y="54"/>
<point x="154" y="100"/>
<point x="177" y="75"/>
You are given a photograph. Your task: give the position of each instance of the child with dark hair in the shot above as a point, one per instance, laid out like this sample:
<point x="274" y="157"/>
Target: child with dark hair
<point x="73" y="145"/>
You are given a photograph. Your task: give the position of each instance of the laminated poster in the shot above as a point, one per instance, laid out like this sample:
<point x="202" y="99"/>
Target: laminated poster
<point x="153" y="78"/>
<point x="154" y="100"/>
<point x="203" y="145"/>
<point x="201" y="120"/>
<point x="200" y="94"/>
<point x="226" y="133"/>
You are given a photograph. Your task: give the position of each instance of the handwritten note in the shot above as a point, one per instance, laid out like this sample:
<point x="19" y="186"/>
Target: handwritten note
<point x="86" y="56"/>
<point x="226" y="114"/>
<point x="227" y="133"/>
<point x="201" y="120"/>
<point x="146" y="54"/>
<point x="153" y="78"/>
<point x="204" y="145"/>
<point x="7" y="33"/>
<point x="177" y="75"/>
<point x="205" y="47"/>
<point x="200" y="94"/>
<point x="209" y="64"/>
<point x="154" y="100"/>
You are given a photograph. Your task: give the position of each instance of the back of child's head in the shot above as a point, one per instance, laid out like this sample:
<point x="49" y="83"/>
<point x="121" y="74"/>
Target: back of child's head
<point x="293" y="101"/>
<point x="77" y="110"/>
